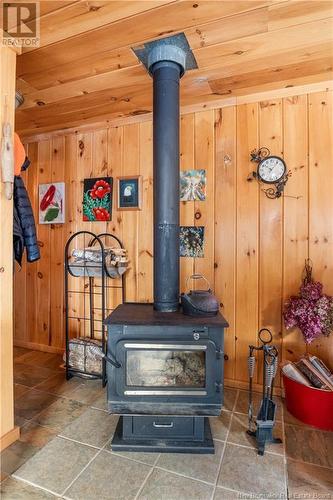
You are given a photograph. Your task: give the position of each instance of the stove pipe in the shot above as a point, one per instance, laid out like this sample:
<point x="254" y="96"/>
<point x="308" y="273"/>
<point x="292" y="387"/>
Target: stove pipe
<point x="166" y="64"/>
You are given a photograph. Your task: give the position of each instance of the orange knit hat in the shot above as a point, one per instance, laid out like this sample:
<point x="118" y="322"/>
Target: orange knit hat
<point x="19" y="154"/>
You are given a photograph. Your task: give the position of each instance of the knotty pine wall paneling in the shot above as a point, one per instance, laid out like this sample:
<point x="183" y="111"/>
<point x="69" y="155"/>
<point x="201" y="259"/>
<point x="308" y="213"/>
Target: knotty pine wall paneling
<point x="321" y="197"/>
<point x="254" y="247"/>
<point x="296" y="208"/>
<point x="225" y="225"/>
<point x="247" y="238"/>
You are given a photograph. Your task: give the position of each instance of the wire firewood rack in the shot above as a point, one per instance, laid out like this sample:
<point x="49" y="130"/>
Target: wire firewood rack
<point x="88" y="301"/>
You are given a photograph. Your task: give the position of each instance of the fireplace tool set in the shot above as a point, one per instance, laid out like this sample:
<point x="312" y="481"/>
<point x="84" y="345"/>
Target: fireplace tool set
<point x="262" y="428"/>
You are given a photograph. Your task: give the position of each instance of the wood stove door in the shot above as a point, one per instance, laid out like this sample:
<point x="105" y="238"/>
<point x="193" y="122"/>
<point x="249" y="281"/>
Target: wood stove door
<point x="168" y="368"/>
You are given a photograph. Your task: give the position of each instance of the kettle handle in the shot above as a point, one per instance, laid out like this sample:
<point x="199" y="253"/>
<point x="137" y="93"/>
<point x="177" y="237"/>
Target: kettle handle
<point x="197" y="277"/>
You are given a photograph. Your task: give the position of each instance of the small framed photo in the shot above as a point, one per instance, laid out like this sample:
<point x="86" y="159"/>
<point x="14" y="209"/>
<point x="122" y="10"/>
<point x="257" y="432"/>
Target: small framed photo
<point x="129" y="192"/>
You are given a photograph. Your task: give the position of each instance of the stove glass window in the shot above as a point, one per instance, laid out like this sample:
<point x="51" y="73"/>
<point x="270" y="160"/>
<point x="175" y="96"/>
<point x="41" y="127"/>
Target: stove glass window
<point x="164" y="367"/>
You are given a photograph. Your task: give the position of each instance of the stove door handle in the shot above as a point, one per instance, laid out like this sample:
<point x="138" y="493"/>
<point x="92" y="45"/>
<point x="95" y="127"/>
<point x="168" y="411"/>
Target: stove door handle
<point x="169" y="426"/>
<point x="112" y="362"/>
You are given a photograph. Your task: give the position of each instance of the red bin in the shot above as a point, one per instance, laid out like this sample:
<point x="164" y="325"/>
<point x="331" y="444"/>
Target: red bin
<point x="310" y="405"/>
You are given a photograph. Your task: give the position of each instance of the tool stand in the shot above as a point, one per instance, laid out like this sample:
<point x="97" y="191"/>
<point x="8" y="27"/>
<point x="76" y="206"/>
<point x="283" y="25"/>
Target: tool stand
<point x="265" y="420"/>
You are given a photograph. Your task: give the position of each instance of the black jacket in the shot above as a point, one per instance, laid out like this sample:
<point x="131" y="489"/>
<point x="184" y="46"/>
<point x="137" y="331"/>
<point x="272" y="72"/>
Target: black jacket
<point x="24" y="229"/>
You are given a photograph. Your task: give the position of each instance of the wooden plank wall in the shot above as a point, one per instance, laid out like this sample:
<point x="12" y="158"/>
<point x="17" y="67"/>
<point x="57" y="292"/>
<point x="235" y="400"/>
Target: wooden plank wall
<point x="254" y="247"/>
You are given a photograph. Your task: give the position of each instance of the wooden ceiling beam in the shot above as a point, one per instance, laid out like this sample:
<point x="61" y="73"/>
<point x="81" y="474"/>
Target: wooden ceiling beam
<point x="101" y="122"/>
<point x="108" y="60"/>
<point x="82" y="17"/>
<point x="136" y="101"/>
<point x="286" y="14"/>
<point x="252" y="47"/>
<point x="234" y="67"/>
<point x="246" y="50"/>
<point x="158" y="23"/>
<point x="104" y="62"/>
<point x="228" y="86"/>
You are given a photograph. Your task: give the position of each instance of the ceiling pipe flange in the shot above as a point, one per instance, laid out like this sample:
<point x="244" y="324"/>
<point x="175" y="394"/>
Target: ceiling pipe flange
<point x="167" y="53"/>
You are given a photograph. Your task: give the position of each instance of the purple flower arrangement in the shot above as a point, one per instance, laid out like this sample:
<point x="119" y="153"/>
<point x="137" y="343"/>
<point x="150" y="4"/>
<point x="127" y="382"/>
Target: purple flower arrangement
<point x="311" y="310"/>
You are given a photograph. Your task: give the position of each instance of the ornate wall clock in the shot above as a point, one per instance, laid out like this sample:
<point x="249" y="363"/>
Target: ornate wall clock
<point x="272" y="170"/>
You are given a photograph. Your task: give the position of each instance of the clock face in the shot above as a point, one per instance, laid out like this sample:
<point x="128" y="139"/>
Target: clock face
<point x="271" y="169"/>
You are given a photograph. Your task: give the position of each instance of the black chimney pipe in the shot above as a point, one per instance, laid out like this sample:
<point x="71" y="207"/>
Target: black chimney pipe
<point x="166" y="65"/>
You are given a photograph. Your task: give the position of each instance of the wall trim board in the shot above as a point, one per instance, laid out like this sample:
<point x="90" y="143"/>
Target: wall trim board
<point x="7" y="103"/>
<point x="193" y="108"/>
<point x="9" y="438"/>
<point x="38" y="347"/>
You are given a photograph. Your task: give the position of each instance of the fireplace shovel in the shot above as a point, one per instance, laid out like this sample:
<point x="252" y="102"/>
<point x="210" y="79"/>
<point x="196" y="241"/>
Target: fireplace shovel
<point x="264" y="423"/>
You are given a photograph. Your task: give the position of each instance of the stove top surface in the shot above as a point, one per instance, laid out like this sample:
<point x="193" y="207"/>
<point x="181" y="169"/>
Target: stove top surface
<point x="144" y="314"/>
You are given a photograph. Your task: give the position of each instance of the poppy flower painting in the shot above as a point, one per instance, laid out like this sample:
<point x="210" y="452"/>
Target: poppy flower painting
<point x="97" y="199"/>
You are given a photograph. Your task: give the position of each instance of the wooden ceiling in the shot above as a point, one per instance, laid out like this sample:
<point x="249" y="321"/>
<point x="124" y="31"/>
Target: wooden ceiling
<point x="85" y="71"/>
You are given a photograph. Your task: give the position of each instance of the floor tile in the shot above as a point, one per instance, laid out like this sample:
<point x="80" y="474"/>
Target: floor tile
<point x="33" y="402"/>
<point x="3" y="476"/>
<point x="19" y="390"/>
<point x="88" y="391"/>
<point x="204" y="467"/>
<point x="244" y="470"/>
<point x="223" y="494"/>
<point x="20" y="351"/>
<point x="30" y="375"/>
<point x="309" y="445"/>
<point x="163" y="485"/>
<point x="290" y="419"/>
<point x="219" y="425"/>
<point x="146" y="458"/>
<point x="109" y="477"/>
<point x="16" y="455"/>
<point x="20" y="421"/>
<point x="309" y="481"/>
<point x="243" y="402"/>
<point x="100" y="402"/>
<point x="238" y="434"/>
<point x="57" y="384"/>
<point x="36" y="435"/>
<point x="44" y="359"/>
<point x="13" y="489"/>
<point x="32" y="438"/>
<point x="56" y="465"/>
<point x="229" y="398"/>
<point x="61" y="413"/>
<point x="94" y="427"/>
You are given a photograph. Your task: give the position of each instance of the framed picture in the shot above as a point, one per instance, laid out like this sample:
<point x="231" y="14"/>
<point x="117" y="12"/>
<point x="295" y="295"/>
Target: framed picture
<point x="129" y="192"/>
<point x="52" y="203"/>
<point x="97" y="199"/>
<point x="193" y="185"/>
<point x="191" y="241"/>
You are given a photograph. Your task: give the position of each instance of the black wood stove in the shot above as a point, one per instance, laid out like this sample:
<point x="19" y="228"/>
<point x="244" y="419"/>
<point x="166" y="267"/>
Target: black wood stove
<point x="165" y="369"/>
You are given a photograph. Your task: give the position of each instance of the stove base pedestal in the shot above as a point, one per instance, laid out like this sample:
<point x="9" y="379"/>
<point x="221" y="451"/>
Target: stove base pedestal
<point x="132" y="434"/>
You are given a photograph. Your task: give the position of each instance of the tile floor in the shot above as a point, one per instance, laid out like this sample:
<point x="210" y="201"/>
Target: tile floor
<point x="64" y="450"/>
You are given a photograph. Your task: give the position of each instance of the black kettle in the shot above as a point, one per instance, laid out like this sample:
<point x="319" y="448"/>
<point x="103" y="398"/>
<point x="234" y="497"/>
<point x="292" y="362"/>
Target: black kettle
<point x="199" y="302"/>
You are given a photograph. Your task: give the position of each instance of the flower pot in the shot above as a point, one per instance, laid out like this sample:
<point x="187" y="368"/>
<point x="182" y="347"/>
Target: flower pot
<point x="309" y="405"/>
